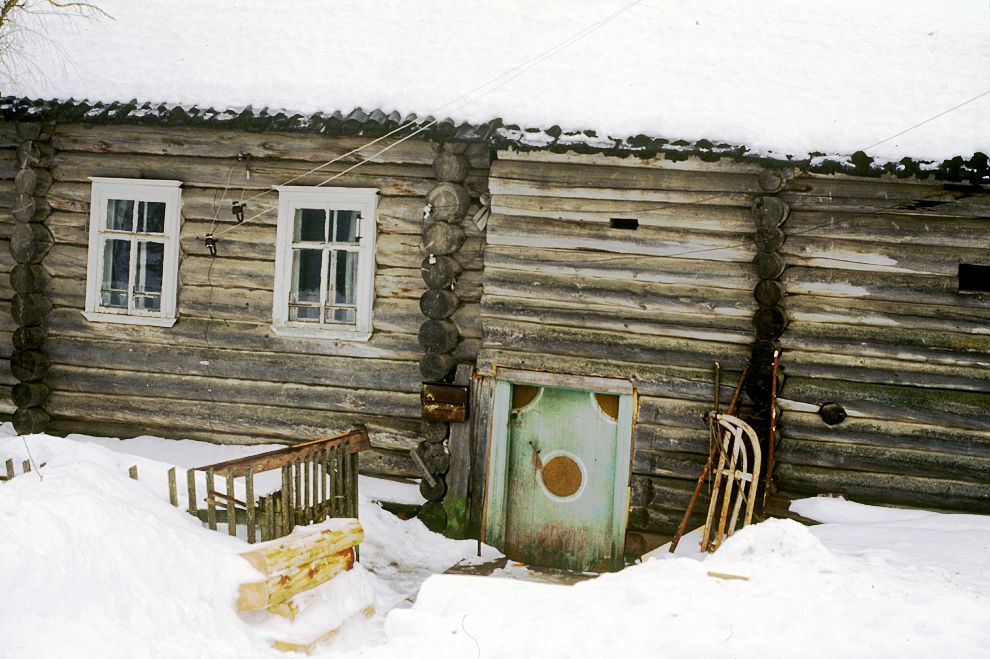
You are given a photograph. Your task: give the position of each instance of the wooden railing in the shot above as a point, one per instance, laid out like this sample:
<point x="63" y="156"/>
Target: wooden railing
<point x="319" y="480"/>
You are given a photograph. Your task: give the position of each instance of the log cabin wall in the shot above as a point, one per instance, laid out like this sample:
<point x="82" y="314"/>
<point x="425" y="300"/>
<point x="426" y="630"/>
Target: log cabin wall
<point x="220" y="373"/>
<point x="9" y="141"/>
<point x="877" y="325"/>
<point x="871" y="317"/>
<point x="618" y="267"/>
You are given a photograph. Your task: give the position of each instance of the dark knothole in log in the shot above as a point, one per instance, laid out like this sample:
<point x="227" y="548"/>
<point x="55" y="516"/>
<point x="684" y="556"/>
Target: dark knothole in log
<point x="627" y="223"/>
<point x="974" y="278"/>
<point x="832" y="413"/>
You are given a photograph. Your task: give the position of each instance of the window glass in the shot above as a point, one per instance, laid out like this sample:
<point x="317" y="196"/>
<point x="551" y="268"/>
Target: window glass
<point x="310" y="225"/>
<point x="346" y="227"/>
<point x="149" y="270"/>
<point x="120" y="214"/>
<point x="116" y="273"/>
<point x="151" y="217"/>
<point x="304" y="298"/>
<point x="343" y="278"/>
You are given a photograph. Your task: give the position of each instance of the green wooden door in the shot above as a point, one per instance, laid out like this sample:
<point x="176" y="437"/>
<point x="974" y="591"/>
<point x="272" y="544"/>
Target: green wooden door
<point x="561" y="467"/>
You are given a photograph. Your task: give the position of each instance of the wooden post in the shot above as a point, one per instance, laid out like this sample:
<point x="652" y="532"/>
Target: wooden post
<point x="26" y="466"/>
<point x="211" y="501"/>
<point x="307" y="492"/>
<point x="231" y="508"/>
<point x="286" y="502"/>
<point x="173" y="491"/>
<point x="355" y="457"/>
<point x="249" y="503"/>
<point x="10" y="469"/>
<point x="191" y="487"/>
<point x="321" y="496"/>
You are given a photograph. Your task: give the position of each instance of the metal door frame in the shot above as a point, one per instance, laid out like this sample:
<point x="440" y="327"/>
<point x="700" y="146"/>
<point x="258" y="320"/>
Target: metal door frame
<point x="498" y="454"/>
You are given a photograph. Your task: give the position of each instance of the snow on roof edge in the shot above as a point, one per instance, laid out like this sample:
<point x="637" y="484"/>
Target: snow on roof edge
<point x="357" y="122"/>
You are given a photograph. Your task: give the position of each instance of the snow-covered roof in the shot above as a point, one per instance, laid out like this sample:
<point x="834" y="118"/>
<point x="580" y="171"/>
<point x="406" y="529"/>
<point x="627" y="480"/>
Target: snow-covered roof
<point x="780" y="77"/>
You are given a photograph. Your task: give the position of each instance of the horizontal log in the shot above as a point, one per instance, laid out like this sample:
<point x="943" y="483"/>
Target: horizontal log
<point x="224" y="143"/>
<point x="556" y="340"/>
<point x="891" y="460"/>
<point x="28" y="338"/>
<point x="452" y="167"/>
<point x="550" y="175"/>
<point x="897" y="316"/>
<point x="630" y="321"/>
<point x="670" y="465"/>
<point x="302" y="546"/>
<point x="954" y="409"/>
<point x="546" y="233"/>
<point x="659" y="161"/>
<point x="29" y="243"/>
<point x="448" y="200"/>
<point x="856" y="367"/>
<point x="180" y="416"/>
<point x="875" y="487"/>
<point x="808" y="425"/>
<point x="277" y="589"/>
<point x="586" y="264"/>
<point x="699" y="217"/>
<point x="29" y="394"/>
<point x="877" y="286"/>
<point x="889" y="343"/>
<point x="895" y="229"/>
<point x="657" y="378"/>
<point x="828" y="252"/>
<point x="434" y="366"/>
<point x="670" y="300"/>
<point x="29" y="365"/>
<point x="382" y="374"/>
<point x="167" y="386"/>
<point x="209" y="172"/>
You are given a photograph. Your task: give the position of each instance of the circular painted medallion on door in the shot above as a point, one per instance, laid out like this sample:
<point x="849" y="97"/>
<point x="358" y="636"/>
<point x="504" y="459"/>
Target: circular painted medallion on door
<point x="563" y="476"/>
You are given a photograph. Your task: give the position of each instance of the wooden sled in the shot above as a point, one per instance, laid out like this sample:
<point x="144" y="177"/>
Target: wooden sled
<point x="735" y="480"/>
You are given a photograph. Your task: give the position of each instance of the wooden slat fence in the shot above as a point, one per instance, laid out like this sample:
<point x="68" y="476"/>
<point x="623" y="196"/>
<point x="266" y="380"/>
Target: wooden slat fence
<point x="319" y="480"/>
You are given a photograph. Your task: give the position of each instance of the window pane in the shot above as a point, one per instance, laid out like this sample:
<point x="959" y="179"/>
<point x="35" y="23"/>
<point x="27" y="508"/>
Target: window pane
<point x="306" y="265"/>
<point x="116" y="272"/>
<point x="310" y="225"/>
<point x="346" y="227"/>
<point x="340" y="316"/>
<point x="120" y="214"/>
<point x="343" y="278"/>
<point x="304" y="313"/>
<point x="150" y="264"/>
<point x="151" y="216"/>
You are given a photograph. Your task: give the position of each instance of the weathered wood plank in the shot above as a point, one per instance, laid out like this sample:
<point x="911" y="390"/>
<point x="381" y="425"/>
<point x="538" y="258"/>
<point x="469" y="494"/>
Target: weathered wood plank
<point x="807" y="425"/>
<point x="568" y="175"/>
<point x="233" y="418"/>
<point x="811" y="251"/>
<point x="668" y="300"/>
<point x="814" y="309"/>
<point x="659" y="161"/>
<point x="209" y="389"/>
<point x="875" y="487"/>
<point x="586" y="264"/>
<point x="230" y="334"/>
<point x="543" y="233"/>
<point x="225" y="143"/>
<point x="689" y="383"/>
<point x="699" y="217"/>
<point x="595" y="344"/>
<point x="892" y="287"/>
<point x="632" y="321"/>
<point x="386" y="375"/>
<point x="895" y="229"/>
<point x="399" y="180"/>
<point x="886" y="459"/>
<point x="856" y="367"/>
<point x="952" y="409"/>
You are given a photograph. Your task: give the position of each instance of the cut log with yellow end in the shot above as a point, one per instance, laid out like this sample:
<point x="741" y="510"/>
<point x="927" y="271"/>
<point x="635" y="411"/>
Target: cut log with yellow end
<point x="291" y="646"/>
<point x="284" y="553"/>
<point x="287" y="609"/>
<point x="280" y="587"/>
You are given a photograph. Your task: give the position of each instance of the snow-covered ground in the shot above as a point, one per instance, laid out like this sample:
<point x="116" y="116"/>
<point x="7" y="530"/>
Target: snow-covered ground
<point x="94" y="564"/>
<point x="777" y="76"/>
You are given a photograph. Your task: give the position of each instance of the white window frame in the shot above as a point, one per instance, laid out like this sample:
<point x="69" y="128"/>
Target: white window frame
<point x="365" y="202"/>
<point x="104" y="189"/>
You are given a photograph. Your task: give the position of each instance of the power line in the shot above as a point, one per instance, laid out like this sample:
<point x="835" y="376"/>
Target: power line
<point x="929" y="119"/>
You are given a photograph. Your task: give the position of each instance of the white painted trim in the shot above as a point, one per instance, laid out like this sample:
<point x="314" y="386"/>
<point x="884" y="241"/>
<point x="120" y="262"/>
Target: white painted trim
<point x="126" y="319"/>
<point x="166" y="191"/>
<point x="363" y="200"/>
<point x="593" y="384"/>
